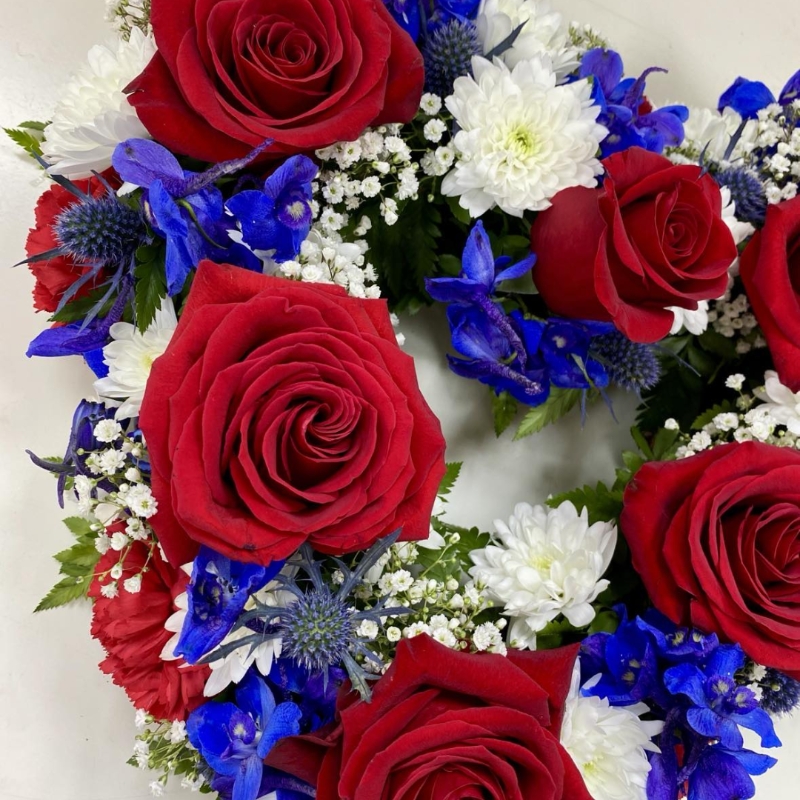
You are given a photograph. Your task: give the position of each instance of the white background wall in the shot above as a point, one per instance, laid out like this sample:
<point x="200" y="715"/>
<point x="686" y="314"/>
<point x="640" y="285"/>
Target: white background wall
<point x="65" y="730"/>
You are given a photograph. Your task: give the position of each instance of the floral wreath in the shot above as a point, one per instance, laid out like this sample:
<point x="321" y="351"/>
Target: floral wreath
<point x="241" y="193"/>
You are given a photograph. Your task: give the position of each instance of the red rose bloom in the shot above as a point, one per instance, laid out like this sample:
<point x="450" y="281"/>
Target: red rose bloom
<point x="444" y="724"/>
<point x="305" y="73"/>
<point x="131" y="629"/>
<point x="716" y="540"/>
<point x="651" y="237"/>
<point x="770" y="269"/>
<point x="55" y="275"/>
<point x="283" y="413"/>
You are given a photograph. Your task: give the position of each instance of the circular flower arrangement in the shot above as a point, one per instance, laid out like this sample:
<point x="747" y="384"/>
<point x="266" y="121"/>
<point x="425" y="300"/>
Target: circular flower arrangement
<point x="244" y="194"/>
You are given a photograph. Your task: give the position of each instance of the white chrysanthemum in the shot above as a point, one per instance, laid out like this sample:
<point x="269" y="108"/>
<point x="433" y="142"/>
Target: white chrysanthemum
<point x="782" y="404"/>
<point x="608" y="744"/>
<point x="130" y="357"/>
<point x="545" y="562"/>
<point x="94" y="114"/>
<point x="521" y="138"/>
<point x="543" y="33"/>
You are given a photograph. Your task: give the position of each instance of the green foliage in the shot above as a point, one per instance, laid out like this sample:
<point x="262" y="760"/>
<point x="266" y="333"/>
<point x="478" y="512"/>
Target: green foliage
<point x="151" y="283"/>
<point x="76" y="310"/>
<point x="452" y="471"/>
<point x="707" y="416"/>
<point x="602" y="503"/>
<point x="504" y="409"/>
<point x="560" y="402"/>
<point x="453" y="559"/>
<point x="28" y="136"/>
<point x="406" y="253"/>
<point x="76" y="564"/>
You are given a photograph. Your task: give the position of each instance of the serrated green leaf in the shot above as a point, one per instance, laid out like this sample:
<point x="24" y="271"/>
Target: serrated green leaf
<point x="633" y="461"/>
<point x="83" y="554"/>
<point x="603" y="504"/>
<point x="79" y="526"/>
<point x="707" y="416"/>
<point x="504" y="409"/>
<point x="30" y="142"/>
<point x="450" y="264"/>
<point x="664" y="443"/>
<point x="560" y="402"/>
<point x="452" y="471"/>
<point x="65" y="591"/>
<point x="719" y="345"/>
<point x="151" y="284"/>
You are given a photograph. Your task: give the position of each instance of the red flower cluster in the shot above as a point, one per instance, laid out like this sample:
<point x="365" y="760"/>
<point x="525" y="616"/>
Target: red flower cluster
<point x="228" y="76"/>
<point x="444" y="724"/>
<point x="55" y="275"/>
<point x="283" y="413"/>
<point x="716" y="540"/>
<point x="131" y="629"/>
<point x="651" y="237"/>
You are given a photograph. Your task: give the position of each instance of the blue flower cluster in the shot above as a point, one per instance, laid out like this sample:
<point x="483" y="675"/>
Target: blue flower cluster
<point x="748" y="97"/>
<point x="520" y="354"/>
<point x="425" y="17"/>
<point x="689" y="680"/>
<point x="625" y="111"/>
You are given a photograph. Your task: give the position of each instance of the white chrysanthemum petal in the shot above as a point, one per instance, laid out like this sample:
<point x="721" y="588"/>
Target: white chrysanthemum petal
<point x="608" y="744"/>
<point x="130" y="357"/>
<point x="545" y="562"/>
<point x="521" y="138"/>
<point x="543" y="32"/>
<point x="94" y="114"/>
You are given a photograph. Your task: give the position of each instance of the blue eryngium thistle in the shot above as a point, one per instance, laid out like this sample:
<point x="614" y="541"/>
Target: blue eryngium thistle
<point x="780" y="694"/>
<point x="320" y="629"/>
<point x="448" y="55"/>
<point x="100" y="229"/>
<point x="747" y="192"/>
<point x="632" y="366"/>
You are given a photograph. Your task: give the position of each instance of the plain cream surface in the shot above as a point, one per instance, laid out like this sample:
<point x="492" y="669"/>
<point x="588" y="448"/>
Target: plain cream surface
<point x="65" y="730"/>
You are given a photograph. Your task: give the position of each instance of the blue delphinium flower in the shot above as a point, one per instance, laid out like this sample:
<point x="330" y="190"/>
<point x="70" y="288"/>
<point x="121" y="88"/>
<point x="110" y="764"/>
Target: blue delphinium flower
<point x="183" y="207"/>
<point x="407" y="15"/>
<point x="314" y="692"/>
<point x="630" y="119"/>
<point x="235" y="738"/>
<point x="279" y="217"/>
<point x="746" y="98"/>
<point x="512" y="353"/>
<point x="424" y="17"/>
<point x="217" y="594"/>
<point x="690" y="681"/>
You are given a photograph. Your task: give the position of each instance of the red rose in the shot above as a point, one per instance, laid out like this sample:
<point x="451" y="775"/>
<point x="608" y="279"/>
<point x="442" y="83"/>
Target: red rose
<point x="55" y="275"/>
<point x="283" y="413"/>
<point x="716" y="540"/>
<point x="770" y="269"/>
<point x="650" y="238"/>
<point x="305" y="73"/>
<point x="131" y="629"/>
<point x="444" y="724"/>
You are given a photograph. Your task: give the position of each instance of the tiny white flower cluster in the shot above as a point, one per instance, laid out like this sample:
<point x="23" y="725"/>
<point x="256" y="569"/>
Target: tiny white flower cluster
<point x="776" y="420"/>
<point x="125" y="15"/>
<point x="732" y="318"/>
<point x="160" y="746"/>
<point x="326" y="258"/>
<point x="385" y="163"/>
<point x="776" y="150"/>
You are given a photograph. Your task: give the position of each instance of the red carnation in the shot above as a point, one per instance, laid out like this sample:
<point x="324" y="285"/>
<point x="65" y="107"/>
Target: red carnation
<point x="55" y="275"/>
<point x="131" y="629"/>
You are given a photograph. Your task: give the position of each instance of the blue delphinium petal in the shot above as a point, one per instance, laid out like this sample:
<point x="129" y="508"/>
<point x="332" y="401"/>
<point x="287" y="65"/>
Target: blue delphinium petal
<point x="478" y="261"/>
<point x="170" y="221"/>
<point x="791" y="91"/>
<point x="217" y="594"/>
<point x="688" y="680"/>
<point x="474" y="335"/>
<point x="758" y="721"/>
<point x="248" y="781"/>
<point x="254" y="697"/>
<point x="746" y="97"/>
<point x="142" y="162"/>
<point x="720" y="775"/>
<point x="605" y="66"/>
<point x="283" y="722"/>
<point x="406" y="15"/>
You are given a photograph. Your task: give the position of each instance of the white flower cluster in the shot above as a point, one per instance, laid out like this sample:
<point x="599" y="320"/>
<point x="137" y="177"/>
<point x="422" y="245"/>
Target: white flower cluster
<point x="94" y="115"/>
<point x="160" y="746"/>
<point x="326" y="258"/>
<point x="776" y="150"/>
<point x="732" y="318"/>
<point x="608" y="744"/>
<point x="444" y="608"/>
<point x="545" y="563"/>
<point x="774" y="420"/>
<point x="127" y="15"/>
<point x="385" y="163"/>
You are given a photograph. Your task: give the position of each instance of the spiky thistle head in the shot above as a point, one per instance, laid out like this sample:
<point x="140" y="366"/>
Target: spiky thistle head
<point x="448" y="55"/>
<point x="631" y="365"/>
<point x="747" y="192"/>
<point x="780" y="694"/>
<point x="100" y="230"/>
<point x="318" y="630"/>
